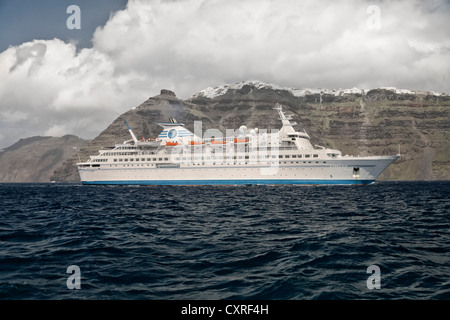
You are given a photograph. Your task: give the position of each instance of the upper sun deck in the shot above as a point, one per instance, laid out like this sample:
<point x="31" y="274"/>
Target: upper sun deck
<point x="175" y="136"/>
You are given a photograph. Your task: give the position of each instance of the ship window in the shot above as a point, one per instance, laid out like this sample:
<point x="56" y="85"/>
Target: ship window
<point x="280" y="156"/>
<point x="154" y="159"/>
<point x="120" y="160"/>
<point x="160" y="159"/>
<point x="333" y="155"/>
<point x="294" y="156"/>
<point x="316" y="155"/>
<point x="137" y="159"/>
<point x="307" y="155"/>
<point x="299" y="155"/>
<point x="287" y="156"/>
<point x="148" y="159"/>
<point x="131" y="159"/>
<point x="126" y="160"/>
<point x="166" y="159"/>
<point x="115" y="160"/>
<point x="143" y="159"/>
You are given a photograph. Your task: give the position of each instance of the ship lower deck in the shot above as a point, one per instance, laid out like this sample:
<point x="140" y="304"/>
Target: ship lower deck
<point x="348" y="171"/>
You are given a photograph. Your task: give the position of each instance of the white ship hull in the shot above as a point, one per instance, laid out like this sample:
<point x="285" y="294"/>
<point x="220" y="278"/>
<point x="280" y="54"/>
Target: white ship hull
<point x="318" y="172"/>
<point x="180" y="157"/>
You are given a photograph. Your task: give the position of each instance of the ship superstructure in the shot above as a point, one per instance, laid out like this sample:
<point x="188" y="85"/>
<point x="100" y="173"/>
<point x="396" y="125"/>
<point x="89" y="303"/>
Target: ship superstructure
<point x="243" y="156"/>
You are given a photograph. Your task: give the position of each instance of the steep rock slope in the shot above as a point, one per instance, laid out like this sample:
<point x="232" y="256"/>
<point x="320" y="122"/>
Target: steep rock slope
<point x="35" y="159"/>
<point x="364" y="122"/>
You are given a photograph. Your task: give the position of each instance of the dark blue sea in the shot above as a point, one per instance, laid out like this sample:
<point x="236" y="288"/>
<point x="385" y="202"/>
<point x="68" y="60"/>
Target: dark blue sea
<point x="225" y="242"/>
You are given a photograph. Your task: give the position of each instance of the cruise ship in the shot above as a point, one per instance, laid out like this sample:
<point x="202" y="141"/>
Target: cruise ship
<point x="243" y="156"/>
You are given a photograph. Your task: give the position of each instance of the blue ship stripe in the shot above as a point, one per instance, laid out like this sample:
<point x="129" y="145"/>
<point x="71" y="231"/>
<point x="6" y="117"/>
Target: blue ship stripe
<point x="231" y="182"/>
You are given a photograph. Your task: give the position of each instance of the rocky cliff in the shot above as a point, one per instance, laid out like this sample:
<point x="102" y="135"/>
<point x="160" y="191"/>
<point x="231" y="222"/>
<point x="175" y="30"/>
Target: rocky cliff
<point x="35" y="159"/>
<point x="364" y="122"/>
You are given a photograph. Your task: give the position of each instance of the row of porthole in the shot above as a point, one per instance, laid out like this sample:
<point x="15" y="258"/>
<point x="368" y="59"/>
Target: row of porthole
<point x="213" y="163"/>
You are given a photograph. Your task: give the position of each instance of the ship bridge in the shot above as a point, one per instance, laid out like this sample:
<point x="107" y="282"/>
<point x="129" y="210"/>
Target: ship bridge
<point x="287" y="133"/>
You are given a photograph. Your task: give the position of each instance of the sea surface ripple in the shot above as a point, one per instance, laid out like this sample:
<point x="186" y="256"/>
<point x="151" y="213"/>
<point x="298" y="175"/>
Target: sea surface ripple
<point x="225" y="242"/>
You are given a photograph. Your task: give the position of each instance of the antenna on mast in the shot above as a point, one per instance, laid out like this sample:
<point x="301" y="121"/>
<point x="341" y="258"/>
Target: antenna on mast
<point x="131" y="132"/>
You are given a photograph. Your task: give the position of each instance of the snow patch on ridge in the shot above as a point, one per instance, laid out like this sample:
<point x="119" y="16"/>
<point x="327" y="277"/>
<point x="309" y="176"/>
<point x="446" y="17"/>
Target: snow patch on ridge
<point x="212" y="92"/>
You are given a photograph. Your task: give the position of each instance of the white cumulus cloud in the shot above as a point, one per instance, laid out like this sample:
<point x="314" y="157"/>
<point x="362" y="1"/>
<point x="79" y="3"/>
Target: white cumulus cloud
<point x="48" y="86"/>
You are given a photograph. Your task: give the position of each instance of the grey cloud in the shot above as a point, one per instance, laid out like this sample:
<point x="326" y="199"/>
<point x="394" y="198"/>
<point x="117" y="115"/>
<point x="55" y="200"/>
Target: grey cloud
<point x="34" y="51"/>
<point x="186" y="46"/>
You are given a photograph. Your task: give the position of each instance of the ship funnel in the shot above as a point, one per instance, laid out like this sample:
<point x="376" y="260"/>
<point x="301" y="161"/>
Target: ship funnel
<point x="131" y="132"/>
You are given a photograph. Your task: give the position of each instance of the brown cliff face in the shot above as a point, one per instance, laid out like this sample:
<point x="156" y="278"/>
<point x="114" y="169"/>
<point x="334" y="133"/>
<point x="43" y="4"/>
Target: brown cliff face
<point x="35" y="159"/>
<point x="375" y="122"/>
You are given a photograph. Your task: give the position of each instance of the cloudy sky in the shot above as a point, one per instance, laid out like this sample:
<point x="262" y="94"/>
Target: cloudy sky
<point x="55" y="80"/>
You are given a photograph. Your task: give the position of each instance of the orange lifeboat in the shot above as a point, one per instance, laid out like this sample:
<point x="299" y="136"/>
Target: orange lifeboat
<point x="195" y="143"/>
<point x="236" y="140"/>
<point x="218" y="142"/>
<point x="168" y="143"/>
